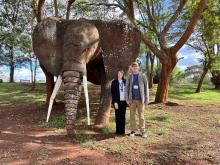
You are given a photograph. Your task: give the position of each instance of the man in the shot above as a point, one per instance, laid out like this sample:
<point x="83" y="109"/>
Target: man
<point x="137" y="96"/>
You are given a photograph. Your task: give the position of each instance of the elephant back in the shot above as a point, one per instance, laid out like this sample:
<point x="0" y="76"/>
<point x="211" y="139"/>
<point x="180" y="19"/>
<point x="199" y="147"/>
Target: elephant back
<point x="47" y="44"/>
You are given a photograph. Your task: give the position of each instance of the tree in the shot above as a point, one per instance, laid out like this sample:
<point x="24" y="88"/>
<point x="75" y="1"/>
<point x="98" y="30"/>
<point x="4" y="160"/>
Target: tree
<point x="205" y="37"/>
<point x="149" y="63"/>
<point x="13" y="22"/>
<point x="31" y="59"/>
<point x="160" y="20"/>
<point x="193" y="72"/>
<point x="216" y="68"/>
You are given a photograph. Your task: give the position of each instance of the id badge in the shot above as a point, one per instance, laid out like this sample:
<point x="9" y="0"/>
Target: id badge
<point x="135" y="87"/>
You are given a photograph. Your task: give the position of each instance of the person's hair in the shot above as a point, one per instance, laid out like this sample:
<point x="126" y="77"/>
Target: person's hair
<point x="122" y="71"/>
<point x="134" y="64"/>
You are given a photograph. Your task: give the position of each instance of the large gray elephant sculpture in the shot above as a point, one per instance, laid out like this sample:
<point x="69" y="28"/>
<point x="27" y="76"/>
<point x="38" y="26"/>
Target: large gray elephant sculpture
<point x="93" y="48"/>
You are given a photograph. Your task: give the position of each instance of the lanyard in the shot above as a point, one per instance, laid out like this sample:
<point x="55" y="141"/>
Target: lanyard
<point x="121" y="85"/>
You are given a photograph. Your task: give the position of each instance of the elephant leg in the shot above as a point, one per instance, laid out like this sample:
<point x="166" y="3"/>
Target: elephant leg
<point x="72" y="87"/>
<point x="103" y="115"/>
<point x="49" y="83"/>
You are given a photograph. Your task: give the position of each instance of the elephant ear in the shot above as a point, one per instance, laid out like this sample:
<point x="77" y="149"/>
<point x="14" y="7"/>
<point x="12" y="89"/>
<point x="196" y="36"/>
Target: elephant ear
<point x="46" y="44"/>
<point x="120" y="43"/>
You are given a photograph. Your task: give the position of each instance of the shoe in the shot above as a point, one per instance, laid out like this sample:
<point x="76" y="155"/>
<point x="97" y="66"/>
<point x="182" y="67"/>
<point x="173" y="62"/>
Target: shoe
<point x="132" y="134"/>
<point x="143" y="134"/>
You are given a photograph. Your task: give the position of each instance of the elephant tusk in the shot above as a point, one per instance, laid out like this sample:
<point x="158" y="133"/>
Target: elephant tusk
<point x="85" y="86"/>
<point x="56" y="88"/>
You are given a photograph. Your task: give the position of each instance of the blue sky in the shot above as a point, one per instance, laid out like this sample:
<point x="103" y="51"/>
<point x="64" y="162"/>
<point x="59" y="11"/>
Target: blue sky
<point x="190" y="58"/>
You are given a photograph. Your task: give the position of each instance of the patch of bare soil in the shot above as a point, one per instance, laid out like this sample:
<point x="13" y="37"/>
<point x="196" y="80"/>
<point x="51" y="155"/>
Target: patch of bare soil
<point x="196" y="142"/>
<point x="24" y="141"/>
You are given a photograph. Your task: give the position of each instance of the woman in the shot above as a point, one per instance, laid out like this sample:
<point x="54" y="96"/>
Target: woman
<point x="118" y="101"/>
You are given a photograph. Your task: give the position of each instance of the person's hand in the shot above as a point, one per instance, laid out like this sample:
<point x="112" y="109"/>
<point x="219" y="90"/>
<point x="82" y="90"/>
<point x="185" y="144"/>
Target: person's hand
<point x="116" y="105"/>
<point x="127" y="102"/>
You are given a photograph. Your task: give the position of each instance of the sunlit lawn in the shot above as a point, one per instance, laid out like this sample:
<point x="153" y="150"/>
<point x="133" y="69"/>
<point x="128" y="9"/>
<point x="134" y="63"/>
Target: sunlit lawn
<point x="16" y="93"/>
<point x="186" y="92"/>
<point x="21" y="93"/>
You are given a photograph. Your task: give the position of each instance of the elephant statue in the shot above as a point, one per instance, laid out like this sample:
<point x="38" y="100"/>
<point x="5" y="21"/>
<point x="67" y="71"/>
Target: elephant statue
<point x="77" y="50"/>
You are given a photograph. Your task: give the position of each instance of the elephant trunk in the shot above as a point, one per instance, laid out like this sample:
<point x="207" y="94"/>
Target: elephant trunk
<point x="72" y="87"/>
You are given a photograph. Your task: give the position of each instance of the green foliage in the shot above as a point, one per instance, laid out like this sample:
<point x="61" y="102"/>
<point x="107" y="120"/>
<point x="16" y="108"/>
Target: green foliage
<point x="192" y="73"/>
<point x="94" y="9"/>
<point x="207" y="35"/>
<point x="14" y="20"/>
<point x="216" y="64"/>
<point x="177" y="75"/>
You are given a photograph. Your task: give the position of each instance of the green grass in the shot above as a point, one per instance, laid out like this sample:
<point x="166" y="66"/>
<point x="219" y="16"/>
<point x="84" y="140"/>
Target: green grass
<point x="110" y="128"/>
<point x="58" y="122"/>
<point x="15" y="93"/>
<point x="186" y="92"/>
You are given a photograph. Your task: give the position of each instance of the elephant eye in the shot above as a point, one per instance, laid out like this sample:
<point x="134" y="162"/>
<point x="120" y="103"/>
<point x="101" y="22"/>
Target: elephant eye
<point x="85" y="50"/>
<point x="76" y="45"/>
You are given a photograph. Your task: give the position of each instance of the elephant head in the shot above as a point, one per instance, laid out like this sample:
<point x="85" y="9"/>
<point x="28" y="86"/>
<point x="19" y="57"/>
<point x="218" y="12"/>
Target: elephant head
<point x="63" y="45"/>
<point x="64" y="48"/>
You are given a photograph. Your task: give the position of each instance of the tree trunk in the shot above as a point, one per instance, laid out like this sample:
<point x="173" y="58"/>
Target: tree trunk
<point x="49" y="83"/>
<point x="70" y="2"/>
<point x="148" y="66"/>
<point x="56" y="8"/>
<point x="12" y="68"/>
<point x="11" y="65"/>
<point x="31" y="69"/>
<point x="34" y="74"/>
<point x="217" y="81"/>
<point x="199" y="86"/>
<point x="151" y="76"/>
<point x="164" y="80"/>
<point x="163" y="85"/>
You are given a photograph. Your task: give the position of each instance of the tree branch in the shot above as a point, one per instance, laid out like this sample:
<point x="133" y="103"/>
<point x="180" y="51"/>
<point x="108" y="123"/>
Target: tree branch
<point x="38" y="9"/>
<point x="40" y="13"/>
<point x="174" y="17"/>
<point x="191" y="26"/>
<point x="151" y="19"/>
<point x="146" y="40"/>
<point x="196" y="47"/>
<point x="56" y="8"/>
<point x="69" y="4"/>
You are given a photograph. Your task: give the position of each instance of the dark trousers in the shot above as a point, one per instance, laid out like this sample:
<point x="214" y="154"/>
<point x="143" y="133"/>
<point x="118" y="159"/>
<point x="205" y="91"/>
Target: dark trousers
<point x="120" y="117"/>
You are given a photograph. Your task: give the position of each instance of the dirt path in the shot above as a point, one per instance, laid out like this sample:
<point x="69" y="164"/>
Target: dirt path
<point x="193" y="139"/>
<point x="24" y="141"/>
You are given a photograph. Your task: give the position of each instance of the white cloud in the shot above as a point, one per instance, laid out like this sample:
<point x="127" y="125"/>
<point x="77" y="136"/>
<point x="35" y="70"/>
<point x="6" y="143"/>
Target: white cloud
<point x="190" y="57"/>
<point x="40" y="75"/>
<point x="22" y="74"/>
<point x="182" y="67"/>
<point x="25" y="74"/>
